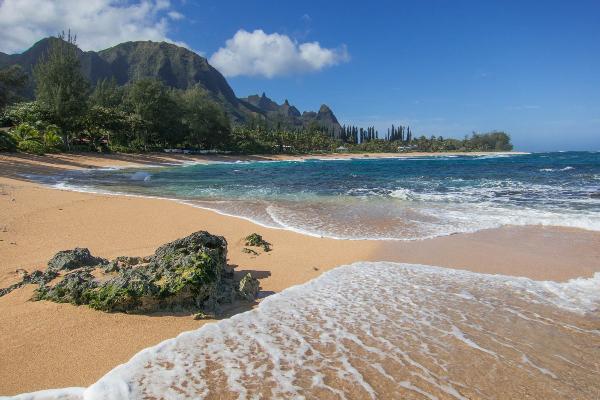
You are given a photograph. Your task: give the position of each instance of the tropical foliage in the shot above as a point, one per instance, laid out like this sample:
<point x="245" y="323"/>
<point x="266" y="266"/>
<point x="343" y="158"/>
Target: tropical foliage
<point x="72" y="114"/>
<point x="12" y="79"/>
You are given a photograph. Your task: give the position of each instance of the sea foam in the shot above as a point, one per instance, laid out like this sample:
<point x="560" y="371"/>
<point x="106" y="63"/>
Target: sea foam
<point x="381" y="330"/>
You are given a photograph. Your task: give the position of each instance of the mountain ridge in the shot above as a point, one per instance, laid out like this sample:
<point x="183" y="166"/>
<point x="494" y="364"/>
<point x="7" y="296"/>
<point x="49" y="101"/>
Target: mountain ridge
<point x="177" y="67"/>
<point x="287" y="112"/>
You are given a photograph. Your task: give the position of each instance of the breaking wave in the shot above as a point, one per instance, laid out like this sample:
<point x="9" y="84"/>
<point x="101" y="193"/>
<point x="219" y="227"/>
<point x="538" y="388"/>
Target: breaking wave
<point x="379" y="199"/>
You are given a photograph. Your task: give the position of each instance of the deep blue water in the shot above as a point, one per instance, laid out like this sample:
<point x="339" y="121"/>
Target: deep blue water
<point x="404" y="198"/>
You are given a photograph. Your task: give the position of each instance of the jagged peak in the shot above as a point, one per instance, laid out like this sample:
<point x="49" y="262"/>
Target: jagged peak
<point x="325" y="109"/>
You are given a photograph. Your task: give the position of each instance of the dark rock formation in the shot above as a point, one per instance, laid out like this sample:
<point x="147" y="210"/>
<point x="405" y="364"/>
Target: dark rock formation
<point x="72" y="259"/>
<point x="288" y="116"/>
<point x="187" y="274"/>
<point x="256" y="240"/>
<point x="75" y="288"/>
<point x="248" y="288"/>
<point x="36" y="277"/>
<point x="122" y="262"/>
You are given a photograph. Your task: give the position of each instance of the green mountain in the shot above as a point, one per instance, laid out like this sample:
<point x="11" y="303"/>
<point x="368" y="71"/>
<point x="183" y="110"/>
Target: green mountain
<point x="177" y="67"/>
<point x="288" y="115"/>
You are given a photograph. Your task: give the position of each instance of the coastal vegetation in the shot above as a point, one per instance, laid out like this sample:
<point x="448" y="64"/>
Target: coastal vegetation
<point x="151" y="113"/>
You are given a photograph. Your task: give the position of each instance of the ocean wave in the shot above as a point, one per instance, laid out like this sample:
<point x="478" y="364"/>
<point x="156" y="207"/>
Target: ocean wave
<point x="391" y="199"/>
<point x="567" y="168"/>
<point x="429" y="216"/>
<point x="377" y="330"/>
<point x="141" y="176"/>
<point x="402" y="194"/>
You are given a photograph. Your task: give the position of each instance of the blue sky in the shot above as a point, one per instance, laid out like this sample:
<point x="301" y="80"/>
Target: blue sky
<point x="531" y="68"/>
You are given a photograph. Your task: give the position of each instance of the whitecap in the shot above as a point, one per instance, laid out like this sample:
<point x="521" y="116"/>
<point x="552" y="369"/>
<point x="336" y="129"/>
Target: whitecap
<point x="402" y="194"/>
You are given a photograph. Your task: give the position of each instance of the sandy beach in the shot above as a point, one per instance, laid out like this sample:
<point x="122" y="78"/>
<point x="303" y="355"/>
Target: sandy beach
<point x="48" y="345"/>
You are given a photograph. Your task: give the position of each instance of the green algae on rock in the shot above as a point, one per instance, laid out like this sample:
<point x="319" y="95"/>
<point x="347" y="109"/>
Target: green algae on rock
<point x="188" y="274"/>
<point x="256" y="240"/>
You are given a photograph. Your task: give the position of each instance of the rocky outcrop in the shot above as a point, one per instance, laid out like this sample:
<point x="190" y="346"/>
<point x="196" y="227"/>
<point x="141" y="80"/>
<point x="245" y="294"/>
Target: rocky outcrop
<point x="36" y="277"/>
<point x="67" y="260"/>
<point x="288" y="116"/>
<point x="248" y="287"/>
<point x="75" y="288"/>
<point x="256" y="240"/>
<point x="189" y="274"/>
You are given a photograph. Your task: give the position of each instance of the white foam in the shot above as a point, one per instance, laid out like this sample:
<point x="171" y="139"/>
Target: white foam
<point x="567" y="168"/>
<point x="403" y="194"/>
<point x="360" y="327"/>
<point x="141" y="176"/>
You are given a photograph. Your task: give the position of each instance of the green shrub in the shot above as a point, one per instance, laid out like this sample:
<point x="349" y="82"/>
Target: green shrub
<point x="7" y="142"/>
<point x="119" y="148"/>
<point x="32" y="146"/>
<point x="30" y="112"/>
<point x="25" y="131"/>
<point x="81" y="148"/>
<point x="52" y="137"/>
<point x="138" y="146"/>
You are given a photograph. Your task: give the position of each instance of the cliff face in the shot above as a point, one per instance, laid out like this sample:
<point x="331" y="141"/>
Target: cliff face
<point x="289" y="116"/>
<point x="177" y="67"/>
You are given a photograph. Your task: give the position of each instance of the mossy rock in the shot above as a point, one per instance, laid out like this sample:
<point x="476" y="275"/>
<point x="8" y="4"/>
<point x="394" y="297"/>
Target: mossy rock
<point x="189" y="274"/>
<point x="248" y="288"/>
<point x="257" y="240"/>
<point x="111" y="297"/>
<point x="74" y="288"/>
<point x="73" y="259"/>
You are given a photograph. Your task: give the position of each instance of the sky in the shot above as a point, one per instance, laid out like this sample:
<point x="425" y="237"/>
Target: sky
<point x="530" y="68"/>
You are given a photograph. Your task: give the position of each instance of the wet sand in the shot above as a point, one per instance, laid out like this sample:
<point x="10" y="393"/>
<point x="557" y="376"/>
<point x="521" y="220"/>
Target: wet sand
<point x="47" y="345"/>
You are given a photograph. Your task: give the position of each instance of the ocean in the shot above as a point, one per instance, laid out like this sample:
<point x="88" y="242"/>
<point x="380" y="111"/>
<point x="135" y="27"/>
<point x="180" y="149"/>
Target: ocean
<point x="397" y="199"/>
<point x="374" y="330"/>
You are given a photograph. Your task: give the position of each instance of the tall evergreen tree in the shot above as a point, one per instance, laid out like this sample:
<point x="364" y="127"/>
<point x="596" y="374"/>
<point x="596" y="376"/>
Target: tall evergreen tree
<point x="61" y="86"/>
<point x="107" y="93"/>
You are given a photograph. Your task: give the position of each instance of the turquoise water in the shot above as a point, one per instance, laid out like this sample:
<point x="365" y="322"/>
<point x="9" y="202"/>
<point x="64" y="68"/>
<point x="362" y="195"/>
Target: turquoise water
<point x="403" y="198"/>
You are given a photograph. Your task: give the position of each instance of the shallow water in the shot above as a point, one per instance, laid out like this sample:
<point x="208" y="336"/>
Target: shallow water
<point x="404" y="198"/>
<point x="384" y="330"/>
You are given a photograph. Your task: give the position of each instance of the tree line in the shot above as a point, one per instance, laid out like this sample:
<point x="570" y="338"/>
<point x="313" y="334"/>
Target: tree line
<point x="71" y="114"/>
<point x="354" y="135"/>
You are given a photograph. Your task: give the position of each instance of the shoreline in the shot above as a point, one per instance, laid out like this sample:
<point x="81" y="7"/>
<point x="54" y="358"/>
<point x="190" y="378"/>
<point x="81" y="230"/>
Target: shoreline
<point x="71" y="161"/>
<point x="140" y="357"/>
<point x="40" y="221"/>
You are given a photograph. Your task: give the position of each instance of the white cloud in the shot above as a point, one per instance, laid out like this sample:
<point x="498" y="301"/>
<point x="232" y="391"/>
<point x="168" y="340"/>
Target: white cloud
<point x="98" y="23"/>
<point x="174" y="15"/>
<point x="258" y="53"/>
